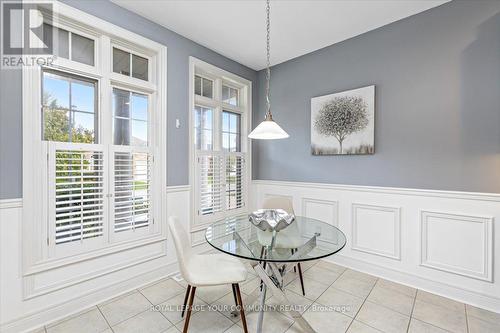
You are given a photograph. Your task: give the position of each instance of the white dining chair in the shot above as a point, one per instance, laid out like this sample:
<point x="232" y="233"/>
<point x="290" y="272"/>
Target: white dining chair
<point x="288" y="238"/>
<point x="202" y="270"/>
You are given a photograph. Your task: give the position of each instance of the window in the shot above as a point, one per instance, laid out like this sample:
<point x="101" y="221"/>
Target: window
<point x="65" y="43"/>
<point x="203" y="86"/>
<point x="219" y="142"/>
<point x="203" y="135"/>
<point x="130" y="113"/>
<point x="230" y="95"/>
<point x="231" y="131"/>
<point x="69" y="108"/>
<point x="130" y="64"/>
<point x="93" y="180"/>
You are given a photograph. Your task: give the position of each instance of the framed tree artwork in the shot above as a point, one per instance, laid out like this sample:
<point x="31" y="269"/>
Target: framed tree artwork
<point x="343" y="123"/>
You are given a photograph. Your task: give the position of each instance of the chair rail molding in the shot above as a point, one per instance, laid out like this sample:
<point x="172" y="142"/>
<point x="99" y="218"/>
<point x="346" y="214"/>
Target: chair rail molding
<point x="11" y="203"/>
<point x="387" y="190"/>
<point x="444" y="242"/>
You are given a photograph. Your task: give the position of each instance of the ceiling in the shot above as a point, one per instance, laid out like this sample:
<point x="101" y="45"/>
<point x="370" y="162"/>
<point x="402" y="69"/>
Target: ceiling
<point x="236" y="29"/>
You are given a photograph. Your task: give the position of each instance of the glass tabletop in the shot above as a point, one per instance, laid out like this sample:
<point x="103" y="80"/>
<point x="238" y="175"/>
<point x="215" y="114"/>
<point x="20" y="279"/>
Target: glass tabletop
<point x="304" y="239"/>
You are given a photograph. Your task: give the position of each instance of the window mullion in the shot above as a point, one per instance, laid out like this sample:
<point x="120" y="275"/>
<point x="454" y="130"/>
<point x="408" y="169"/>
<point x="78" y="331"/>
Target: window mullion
<point x="105" y="112"/>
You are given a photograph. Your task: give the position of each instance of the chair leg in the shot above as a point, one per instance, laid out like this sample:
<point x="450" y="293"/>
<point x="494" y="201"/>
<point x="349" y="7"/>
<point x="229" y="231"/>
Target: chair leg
<point x="236" y="287"/>
<point x="189" y="307"/>
<point x="234" y="294"/>
<point x="188" y="289"/>
<point x="301" y="279"/>
<point x="294" y="268"/>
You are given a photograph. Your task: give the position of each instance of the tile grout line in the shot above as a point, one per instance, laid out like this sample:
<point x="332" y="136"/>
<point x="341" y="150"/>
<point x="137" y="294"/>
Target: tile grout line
<point x="141" y="312"/>
<point x="152" y="306"/>
<point x="313" y="301"/>
<point x="412" y="308"/>
<point x="65" y="319"/>
<point x="362" y="304"/>
<point x="316" y="300"/>
<point x="429" y="303"/>
<point x="105" y="319"/>
<point x="383" y="305"/>
<point x="466" y="319"/>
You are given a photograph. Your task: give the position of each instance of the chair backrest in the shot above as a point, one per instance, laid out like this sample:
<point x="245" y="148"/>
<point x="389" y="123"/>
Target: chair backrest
<point x="279" y="203"/>
<point x="182" y="245"/>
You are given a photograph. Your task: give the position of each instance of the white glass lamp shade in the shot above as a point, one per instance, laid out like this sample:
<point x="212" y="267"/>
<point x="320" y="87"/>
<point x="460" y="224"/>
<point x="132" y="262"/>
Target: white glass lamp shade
<point x="268" y="130"/>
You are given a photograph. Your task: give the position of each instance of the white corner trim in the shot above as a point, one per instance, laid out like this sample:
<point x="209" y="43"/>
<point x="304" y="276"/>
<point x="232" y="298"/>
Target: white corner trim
<point x="11" y="203"/>
<point x="396" y="211"/>
<point x="387" y="190"/>
<point x="486" y="274"/>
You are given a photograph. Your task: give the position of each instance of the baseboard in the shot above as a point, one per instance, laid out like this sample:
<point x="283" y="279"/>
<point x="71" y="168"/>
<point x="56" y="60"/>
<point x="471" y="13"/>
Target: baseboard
<point x="56" y="312"/>
<point x="487" y="302"/>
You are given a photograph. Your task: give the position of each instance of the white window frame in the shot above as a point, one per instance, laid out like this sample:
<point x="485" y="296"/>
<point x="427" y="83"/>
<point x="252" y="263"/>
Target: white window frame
<point x="244" y="86"/>
<point x="35" y="236"/>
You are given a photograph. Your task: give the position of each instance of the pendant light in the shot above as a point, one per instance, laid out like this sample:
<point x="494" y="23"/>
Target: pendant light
<point x="268" y="129"/>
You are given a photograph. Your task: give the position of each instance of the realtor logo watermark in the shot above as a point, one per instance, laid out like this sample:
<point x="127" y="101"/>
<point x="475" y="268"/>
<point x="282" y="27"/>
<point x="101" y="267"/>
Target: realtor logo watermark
<point x="23" y="41"/>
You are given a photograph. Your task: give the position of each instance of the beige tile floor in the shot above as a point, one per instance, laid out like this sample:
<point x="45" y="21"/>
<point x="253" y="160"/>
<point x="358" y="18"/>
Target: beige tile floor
<point x="360" y="302"/>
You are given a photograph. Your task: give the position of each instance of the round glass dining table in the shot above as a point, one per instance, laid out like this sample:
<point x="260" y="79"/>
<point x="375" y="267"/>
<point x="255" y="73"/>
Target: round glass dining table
<point x="274" y="254"/>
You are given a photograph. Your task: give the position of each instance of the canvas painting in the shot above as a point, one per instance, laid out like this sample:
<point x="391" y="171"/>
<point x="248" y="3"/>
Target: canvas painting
<point x="344" y="123"/>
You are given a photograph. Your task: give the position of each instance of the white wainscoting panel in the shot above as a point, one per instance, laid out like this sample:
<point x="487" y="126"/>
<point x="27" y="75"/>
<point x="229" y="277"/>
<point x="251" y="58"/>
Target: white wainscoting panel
<point x="376" y="230"/>
<point x="444" y="242"/>
<point x="323" y="210"/>
<point x="456" y="243"/>
<point x="28" y="302"/>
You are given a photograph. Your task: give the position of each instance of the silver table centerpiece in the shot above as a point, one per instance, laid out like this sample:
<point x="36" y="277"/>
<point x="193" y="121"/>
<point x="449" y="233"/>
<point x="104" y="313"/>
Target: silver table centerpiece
<point x="271" y="219"/>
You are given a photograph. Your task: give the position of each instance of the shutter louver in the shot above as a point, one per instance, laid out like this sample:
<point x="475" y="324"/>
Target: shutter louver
<point x="78" y="194"/>
<point x="210" y="175"/>
<point x="131" y="190"/>
<point x="234" y="181"/>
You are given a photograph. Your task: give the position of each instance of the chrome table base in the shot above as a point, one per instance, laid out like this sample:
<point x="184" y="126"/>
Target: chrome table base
<point x="273" y="280"/>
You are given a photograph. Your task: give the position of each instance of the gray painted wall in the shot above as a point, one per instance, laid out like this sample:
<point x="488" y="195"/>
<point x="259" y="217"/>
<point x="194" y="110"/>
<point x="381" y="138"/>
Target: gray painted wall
<point x="179" y="50"/>
<point x="437" y="77"/>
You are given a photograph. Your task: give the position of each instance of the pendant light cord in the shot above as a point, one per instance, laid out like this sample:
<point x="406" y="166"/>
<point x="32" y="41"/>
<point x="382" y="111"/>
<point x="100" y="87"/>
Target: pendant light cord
<point x="268" y="69"/>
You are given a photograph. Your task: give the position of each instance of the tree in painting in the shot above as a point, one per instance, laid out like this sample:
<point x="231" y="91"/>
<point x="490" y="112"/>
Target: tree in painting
<point x="341" y="117"/>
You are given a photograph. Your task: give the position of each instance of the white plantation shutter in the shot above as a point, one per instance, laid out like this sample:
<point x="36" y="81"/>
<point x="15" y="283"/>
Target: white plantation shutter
<point x="90" y="185"/>
<point x="220" y="180"/>
<point x="132" y="190"/>
<point x="210" y="183"/>
<point x="76" y="191"/>
<point x="235" y="169"/>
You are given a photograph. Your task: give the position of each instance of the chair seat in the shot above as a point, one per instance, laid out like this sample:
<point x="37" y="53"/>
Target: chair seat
<point x="214" y="269"/>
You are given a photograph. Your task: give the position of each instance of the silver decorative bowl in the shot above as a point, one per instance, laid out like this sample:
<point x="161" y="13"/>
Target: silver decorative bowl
<point x="271" y="219"/>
